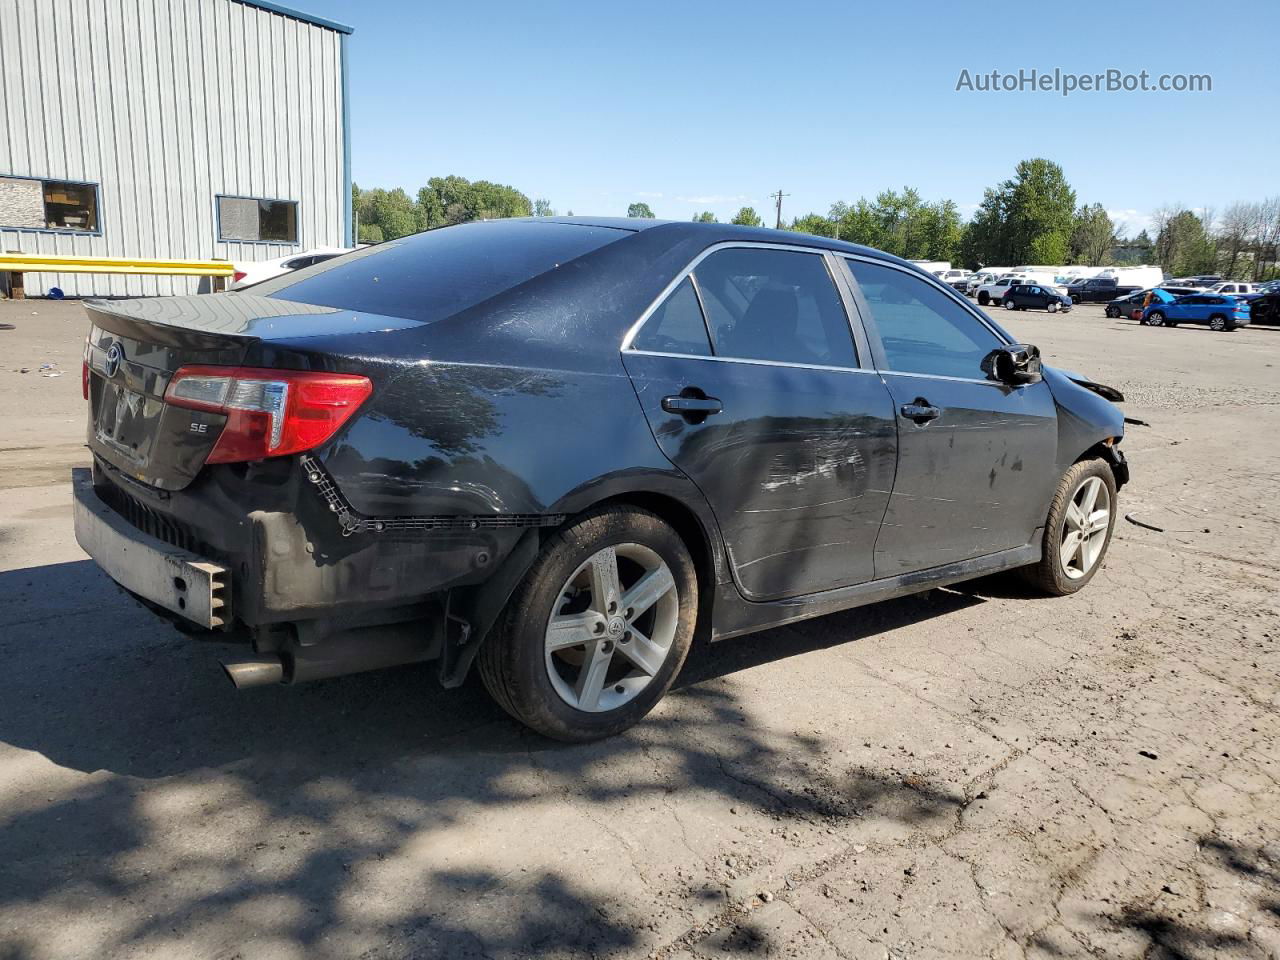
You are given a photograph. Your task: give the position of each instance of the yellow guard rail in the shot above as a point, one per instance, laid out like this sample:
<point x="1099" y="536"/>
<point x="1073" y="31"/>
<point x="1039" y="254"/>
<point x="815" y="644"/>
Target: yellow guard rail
<point x="16" y="264"/>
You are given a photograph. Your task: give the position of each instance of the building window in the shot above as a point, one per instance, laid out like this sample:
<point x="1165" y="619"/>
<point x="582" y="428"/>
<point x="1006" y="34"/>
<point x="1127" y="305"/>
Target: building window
<point x="30" y="204"/>
<point x="257" y="221"/>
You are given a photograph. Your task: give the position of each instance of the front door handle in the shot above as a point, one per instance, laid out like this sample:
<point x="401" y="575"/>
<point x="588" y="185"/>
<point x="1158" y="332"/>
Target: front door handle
<point x="920" y="410"/>
<point x="683" y="405"/>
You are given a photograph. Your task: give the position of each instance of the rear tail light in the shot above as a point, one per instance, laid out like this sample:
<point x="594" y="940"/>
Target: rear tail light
<point x="238" y="276"/>
<point x="270" y="413"/>
<point x="84" y="378"/>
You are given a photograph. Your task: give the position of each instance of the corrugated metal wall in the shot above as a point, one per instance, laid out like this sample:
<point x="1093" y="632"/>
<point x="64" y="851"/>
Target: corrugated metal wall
<point x="165" y="104"/>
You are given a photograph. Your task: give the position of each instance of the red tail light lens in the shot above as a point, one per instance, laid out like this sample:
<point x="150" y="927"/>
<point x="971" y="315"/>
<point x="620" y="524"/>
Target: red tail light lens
<point x="238" y="276"/>
<point x="84" y="378"/>
<point x="270" y="413"/>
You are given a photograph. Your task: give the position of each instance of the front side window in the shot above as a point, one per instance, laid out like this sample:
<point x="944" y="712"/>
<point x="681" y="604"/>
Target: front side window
<point x="676" y="326"/>
<point x="48" y="204"/>
<point x="777" y="305"/>
<point x="257" y="221"/>
<point x="922" y="329"/>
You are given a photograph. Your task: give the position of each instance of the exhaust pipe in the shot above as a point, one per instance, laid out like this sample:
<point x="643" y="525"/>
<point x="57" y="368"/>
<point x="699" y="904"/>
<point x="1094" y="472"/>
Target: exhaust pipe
<point x="256" y="672"/>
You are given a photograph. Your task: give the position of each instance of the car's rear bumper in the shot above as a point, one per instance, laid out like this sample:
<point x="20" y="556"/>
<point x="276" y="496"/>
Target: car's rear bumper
<point x="187" y="585"/>
<point x="283" y="553"/>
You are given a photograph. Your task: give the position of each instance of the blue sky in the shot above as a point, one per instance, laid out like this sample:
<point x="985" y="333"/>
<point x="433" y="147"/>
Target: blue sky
<point x="715" y="105"/>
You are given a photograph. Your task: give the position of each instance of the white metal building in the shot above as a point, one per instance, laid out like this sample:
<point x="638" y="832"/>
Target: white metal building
<point x="202" y="129"/>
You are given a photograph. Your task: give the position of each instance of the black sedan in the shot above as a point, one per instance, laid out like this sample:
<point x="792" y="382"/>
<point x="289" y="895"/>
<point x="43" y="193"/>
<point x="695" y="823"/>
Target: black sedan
<point x="1034" y="296"/>
<point x="566" y="449"/>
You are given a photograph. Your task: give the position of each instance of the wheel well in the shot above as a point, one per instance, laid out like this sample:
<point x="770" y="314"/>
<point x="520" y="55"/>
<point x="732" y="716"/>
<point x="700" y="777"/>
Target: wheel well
<point x="1105" y="451"/>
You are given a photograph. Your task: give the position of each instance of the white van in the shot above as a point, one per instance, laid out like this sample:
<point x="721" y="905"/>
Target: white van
<point x="1144" y="277"/>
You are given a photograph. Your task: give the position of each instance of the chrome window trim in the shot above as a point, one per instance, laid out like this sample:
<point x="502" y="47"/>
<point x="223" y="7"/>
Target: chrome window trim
<point x="941" y="376"/>
<point x="649" y="311"/>
<point x="759" y="363"/>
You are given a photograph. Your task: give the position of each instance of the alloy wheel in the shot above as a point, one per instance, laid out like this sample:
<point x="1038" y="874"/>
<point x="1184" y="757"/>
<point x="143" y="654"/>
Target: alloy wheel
<point x="1218" y="322"/>
<point x="1085" y="528"/>
<point x="1156" y="319"/>
<point x="612" y="628"/>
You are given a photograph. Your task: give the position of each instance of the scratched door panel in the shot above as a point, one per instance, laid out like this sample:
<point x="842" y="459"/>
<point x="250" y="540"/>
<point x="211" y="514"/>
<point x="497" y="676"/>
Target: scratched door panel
<point x="974" y="481"/>
<point x="797" y="466"/>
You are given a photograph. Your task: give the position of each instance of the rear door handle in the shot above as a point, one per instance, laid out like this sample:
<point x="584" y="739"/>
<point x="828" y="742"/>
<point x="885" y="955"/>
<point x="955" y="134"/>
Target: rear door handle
<point x="920" y="410"/>
<point x="682" y="405"/>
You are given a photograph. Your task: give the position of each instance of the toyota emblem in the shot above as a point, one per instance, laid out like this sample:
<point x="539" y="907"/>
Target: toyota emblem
<point x="114" y="356"/>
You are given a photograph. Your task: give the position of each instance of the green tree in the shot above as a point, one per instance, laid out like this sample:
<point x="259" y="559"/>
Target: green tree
<point x="858" y="223"/>
<point x="706" y="216"/>
<point x="1039" y="212"/>
<point x="391" y="211"/>
<point x="542" y="208"/>
<point x="939" y="231"/>
<point x="1093" y="237"/>
<point x="987" y="241"/>
<point x="640" y="211"/>
<point x="1183" y="245"/>
<point x="370" y="233"/>
<point x="453" y="199"/>
<point x="814" y="223"/>
<point x="746" y="217"/>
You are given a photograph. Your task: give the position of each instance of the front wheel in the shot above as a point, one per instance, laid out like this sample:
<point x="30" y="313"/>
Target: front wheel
<point x="1010" y="305"/>
<point x="1053" y="306"/>
<point x="597" y="631"/>
<point x="1112" y="313"/>
<point x="1077" y="530"/>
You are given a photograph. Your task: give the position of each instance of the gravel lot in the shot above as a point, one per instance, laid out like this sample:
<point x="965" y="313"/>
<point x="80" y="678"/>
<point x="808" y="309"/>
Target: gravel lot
<point x="973" y="772"/>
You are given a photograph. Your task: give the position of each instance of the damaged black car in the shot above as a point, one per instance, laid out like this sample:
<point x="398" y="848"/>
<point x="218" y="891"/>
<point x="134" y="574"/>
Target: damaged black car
<point x="562" y="450"/>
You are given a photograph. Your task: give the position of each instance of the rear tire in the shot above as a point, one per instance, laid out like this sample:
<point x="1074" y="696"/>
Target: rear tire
<point x="1155" y="319"/>
<point x="1071" y="551"/>
<point x="1112" y="313"/>
<point x="562" y="689"/>
<point x="1220" y="323"/>
<point x="1009" y="304"/>
<point x="984" y="298"/>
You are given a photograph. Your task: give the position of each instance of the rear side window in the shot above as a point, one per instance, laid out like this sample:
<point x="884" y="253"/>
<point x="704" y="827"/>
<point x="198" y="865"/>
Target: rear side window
<point x="676" y="326"/>
<point x="433" y="275"/>
<point x="778" y="305"/>
<point x="922" y="329"/>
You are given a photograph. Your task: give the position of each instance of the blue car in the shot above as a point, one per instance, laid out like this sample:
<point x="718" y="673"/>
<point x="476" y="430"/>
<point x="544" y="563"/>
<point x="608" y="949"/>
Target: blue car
<point x="1218" y="311"/>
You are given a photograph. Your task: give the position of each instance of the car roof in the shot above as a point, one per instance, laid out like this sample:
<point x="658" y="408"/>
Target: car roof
<point x="710" y="233"/>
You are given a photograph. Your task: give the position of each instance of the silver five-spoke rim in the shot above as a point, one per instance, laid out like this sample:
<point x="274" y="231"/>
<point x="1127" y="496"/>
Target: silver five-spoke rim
<point x="611" y="628"/>
<point x="1085" y="527"/>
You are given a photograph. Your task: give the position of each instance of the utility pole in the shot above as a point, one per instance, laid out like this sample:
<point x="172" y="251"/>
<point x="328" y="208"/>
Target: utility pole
<point x="778" y="197"/>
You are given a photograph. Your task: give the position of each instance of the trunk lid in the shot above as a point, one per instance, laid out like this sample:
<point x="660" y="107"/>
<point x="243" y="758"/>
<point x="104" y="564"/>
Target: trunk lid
<point x="135" y="346"/>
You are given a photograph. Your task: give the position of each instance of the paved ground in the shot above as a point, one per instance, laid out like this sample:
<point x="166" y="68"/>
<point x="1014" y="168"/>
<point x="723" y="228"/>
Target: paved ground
<point x="973" y="772"/>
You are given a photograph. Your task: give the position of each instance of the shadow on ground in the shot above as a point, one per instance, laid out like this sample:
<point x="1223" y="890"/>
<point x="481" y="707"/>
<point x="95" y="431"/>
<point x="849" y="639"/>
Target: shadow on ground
<point x="204" y="804"/>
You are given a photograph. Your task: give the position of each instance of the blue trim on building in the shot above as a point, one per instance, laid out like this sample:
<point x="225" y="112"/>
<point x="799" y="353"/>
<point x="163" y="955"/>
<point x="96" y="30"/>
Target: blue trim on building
<point x="345" y="69"/>
<point x="284" y="11"/>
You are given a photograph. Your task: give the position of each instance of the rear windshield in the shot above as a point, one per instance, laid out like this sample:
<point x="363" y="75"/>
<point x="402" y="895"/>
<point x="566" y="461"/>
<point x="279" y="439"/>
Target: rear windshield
<point x="433" y="275"/>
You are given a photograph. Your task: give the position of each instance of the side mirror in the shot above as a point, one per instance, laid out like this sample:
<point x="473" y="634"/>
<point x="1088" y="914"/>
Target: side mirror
<point x="1014" y="364"/>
